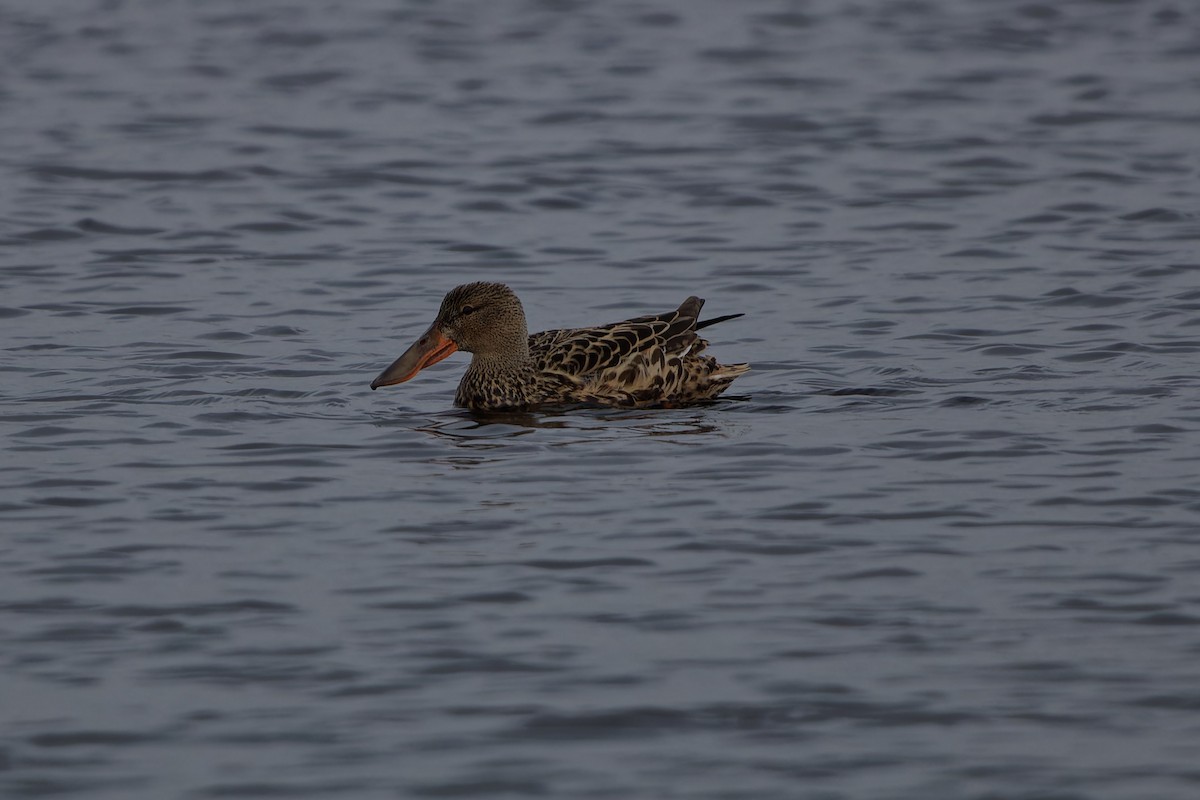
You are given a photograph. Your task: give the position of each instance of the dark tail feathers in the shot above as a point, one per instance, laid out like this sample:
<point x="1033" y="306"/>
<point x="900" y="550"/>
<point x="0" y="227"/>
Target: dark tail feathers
<point x="715" y="320"/>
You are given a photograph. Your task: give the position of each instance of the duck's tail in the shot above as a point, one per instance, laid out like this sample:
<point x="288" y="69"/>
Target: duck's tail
<point x="715" y="320"/>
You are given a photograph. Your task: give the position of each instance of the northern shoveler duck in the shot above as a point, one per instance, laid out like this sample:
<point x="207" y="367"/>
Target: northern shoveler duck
<point x="647" y="361"/>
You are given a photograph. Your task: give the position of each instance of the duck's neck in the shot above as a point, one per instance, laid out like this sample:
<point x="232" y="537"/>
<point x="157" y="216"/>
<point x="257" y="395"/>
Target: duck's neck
<point x="498" y="381"/>
<point x="512" y="362"/>
<point x="504" y="354"/>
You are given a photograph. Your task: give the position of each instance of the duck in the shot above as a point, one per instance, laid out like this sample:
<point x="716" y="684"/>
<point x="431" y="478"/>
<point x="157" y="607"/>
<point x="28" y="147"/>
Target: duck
<point x="645" y="362"/>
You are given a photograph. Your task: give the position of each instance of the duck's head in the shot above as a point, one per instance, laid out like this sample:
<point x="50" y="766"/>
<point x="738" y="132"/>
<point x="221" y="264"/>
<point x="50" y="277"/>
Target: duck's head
<point x="481" y="318"/>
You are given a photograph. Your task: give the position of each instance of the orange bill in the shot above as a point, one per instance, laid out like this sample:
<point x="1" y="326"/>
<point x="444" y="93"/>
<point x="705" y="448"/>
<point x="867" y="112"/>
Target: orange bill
<point x="431" y="348"/>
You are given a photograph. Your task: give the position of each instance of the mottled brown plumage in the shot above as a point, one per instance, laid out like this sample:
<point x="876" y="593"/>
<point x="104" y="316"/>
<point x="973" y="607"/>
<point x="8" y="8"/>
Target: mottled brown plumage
<point x="648" y="361"/>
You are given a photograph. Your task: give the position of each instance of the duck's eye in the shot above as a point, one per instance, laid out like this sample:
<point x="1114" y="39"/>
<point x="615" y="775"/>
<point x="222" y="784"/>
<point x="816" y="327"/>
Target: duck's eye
<point x="465" y="310"/>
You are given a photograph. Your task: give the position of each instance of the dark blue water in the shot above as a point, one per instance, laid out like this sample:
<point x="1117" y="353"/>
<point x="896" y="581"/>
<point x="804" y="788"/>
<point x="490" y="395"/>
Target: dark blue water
<point x="942" y="542"/>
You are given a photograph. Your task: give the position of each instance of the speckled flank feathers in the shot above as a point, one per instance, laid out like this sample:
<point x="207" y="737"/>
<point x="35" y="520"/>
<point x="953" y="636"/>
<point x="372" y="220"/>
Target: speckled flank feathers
<point x="644" y="362"/>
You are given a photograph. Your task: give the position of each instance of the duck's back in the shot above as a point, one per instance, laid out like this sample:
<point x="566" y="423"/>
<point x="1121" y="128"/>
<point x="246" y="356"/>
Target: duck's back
<point x="648" y="361"/>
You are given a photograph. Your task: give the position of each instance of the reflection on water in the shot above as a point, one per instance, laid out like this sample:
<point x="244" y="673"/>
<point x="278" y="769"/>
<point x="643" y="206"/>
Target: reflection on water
<point x="471" y="427"/>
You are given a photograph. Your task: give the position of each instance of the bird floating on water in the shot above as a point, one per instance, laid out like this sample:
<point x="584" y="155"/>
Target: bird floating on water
<point x="643" y="362"/>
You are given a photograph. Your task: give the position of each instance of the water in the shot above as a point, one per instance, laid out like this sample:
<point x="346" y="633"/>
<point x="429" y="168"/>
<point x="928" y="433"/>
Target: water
<point x="943" y="541"/>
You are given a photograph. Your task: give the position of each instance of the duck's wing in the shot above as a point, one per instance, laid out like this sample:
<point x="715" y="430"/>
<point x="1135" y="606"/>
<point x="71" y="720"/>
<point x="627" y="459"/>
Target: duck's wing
<point x="580" y="352"/>
<point x="640" y="361"/>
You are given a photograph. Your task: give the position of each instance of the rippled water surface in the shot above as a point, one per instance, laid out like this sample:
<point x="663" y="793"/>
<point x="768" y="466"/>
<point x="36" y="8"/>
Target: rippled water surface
<point x="942" y="542"/>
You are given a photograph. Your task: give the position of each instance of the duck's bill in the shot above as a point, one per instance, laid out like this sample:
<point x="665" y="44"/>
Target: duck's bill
<point x="431" y="348"/>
